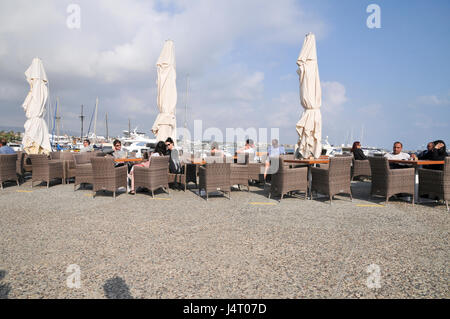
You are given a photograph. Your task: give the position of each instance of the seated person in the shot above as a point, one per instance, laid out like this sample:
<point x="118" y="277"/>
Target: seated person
<point x="397" y="154"/>
<point x="118" y="153"/>
<point x="248" y="148"/>
<point x="358" y="154"/>
<point x="174" y="162"/>
<point x="275" y="150"/>
<point x="215" y="151"/>
<point x="425" y="155"/>
<point x="437" y="153"/>
<point x="4" y="148"/>
<point x="87" y="147"/>
<point x="160" y="150"/>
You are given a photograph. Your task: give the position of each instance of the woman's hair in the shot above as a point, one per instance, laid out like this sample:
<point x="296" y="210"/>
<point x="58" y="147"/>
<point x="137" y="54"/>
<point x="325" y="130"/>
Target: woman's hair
<point x="160" y="148"/>
<point x="169" y="140"/>
<point x="214" y="145"/>
<point x="443" y="149"/>
<point x="117" y="142"/>
<point x="355" y="144"/>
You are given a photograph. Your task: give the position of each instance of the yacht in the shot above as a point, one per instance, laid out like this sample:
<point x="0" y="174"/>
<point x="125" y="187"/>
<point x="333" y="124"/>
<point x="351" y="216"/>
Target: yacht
<point x="137" y="142"/>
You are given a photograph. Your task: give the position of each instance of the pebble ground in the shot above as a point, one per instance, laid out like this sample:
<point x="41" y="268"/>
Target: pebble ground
<point x="181" y="246"/>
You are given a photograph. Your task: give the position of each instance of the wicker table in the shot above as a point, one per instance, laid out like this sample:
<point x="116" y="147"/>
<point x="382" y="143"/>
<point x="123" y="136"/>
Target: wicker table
<point x="416" y="165"/>
<point x="133" y="160"/>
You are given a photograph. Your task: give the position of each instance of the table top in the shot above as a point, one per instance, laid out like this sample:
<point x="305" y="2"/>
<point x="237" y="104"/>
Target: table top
<point x="417" y="163"/>
<point x="128" y="160"/>
<point x="308" y="161"/>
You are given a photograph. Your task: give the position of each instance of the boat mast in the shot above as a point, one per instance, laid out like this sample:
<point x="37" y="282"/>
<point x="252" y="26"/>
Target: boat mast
<point x="95" y="121"/>
<point x="185" y="109"/>
<point x="82" y="120"/>
<point x="58" y="119"/>
<point x="362" y="134"/>
<point x="107" y="132"/>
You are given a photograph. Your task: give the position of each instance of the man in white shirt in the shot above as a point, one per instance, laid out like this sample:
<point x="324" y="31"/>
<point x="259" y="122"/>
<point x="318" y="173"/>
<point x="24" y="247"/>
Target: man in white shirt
<point x="397" y="153"/>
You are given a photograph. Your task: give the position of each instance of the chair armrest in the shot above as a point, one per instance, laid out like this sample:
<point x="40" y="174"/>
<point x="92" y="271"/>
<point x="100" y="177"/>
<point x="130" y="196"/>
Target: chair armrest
<point x="431" y="173"/>
<point x="120" y="170"/>
<point x="319" y="170"/>
<point x="402" y="172"/>
<point x="55" y="164"/>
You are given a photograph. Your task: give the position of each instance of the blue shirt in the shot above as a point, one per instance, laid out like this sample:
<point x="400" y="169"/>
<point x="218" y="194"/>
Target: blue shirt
<point x="276" y="151"/>
<point x="6" y="150"/>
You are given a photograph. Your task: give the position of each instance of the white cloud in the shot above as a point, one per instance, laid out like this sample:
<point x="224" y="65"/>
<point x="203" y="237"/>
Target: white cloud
<point x="333" y="96"/>
<point x="114" y="53"/>
<point x="433" y="100"/>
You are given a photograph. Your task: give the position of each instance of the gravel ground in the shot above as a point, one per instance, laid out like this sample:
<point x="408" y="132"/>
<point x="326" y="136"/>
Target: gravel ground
<point x="180" y="246"/>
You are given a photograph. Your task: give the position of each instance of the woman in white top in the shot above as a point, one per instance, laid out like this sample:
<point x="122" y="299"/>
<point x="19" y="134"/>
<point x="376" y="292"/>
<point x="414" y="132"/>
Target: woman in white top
<point x="160" y="150"/>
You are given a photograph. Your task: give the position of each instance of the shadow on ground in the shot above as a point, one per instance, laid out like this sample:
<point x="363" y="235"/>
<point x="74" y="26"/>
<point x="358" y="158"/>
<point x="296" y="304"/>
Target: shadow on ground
<point x="116" y="288"/>
<point x="4" y="288"/>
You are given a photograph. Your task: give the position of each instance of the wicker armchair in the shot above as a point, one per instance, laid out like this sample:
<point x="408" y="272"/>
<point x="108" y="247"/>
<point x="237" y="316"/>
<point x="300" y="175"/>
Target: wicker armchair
<point x="45" y="169"/>
<point x="333" y="180"/>
<point x="189" y="175"/>
<point x="83" y="168"/>
<point x="436" y="182"/>
<point x="69" y="165"/>
<point x="214" y="177"/>
<point x="55" y="155"/>
<point x="255" y="169"/>
<point x="106" y="176"/>
<point x="8" y="169"/>
<point x="285" y="179"/>
<point x="20" y="170"/>
<point x="27" y="167"/>
<point x="388" y="182"/>
<point x="155" y="176"/>
<point x="361" y="168"/>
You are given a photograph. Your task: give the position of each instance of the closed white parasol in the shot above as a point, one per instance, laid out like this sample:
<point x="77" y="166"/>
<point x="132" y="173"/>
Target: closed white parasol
<point x="165" y="124"/>
<point x="309" y="128"/>
<point x="36" y="139"/>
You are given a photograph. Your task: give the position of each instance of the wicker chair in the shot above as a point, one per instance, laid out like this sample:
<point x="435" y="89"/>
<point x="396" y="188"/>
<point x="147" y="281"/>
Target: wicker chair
<point x="45" y="169"/>
<point x="55" y="155"/>
<point x="214" y="177"/>
<point x="255" y="169"/>
<point x="189" y="175"/>
<point x="388" y="182"/>
<point x="19" y="166"/>
<point x="333" y="180"/>
<point x="361" y="168"/>
<point x="285" y="179"/>
<point x="8" y="169"/>
<point x="27" y="167"/>
<point x="83" y="169"/>
<point x="155" y="176"/>
<point x="69" y="165"/>
<point x="106" y="176"/>
<point x="436" y="182"/>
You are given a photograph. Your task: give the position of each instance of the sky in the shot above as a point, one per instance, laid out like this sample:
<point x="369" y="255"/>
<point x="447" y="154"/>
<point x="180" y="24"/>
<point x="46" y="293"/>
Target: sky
<point x="379" y="85"/>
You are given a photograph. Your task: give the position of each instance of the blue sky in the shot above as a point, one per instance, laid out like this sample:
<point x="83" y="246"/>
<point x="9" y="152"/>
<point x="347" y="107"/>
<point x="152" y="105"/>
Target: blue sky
<point x="241" y="60"/>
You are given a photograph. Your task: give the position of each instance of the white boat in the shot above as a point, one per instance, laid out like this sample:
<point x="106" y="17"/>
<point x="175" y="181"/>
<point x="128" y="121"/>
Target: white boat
<point x="16" y="147"/>
<point x="137" y="142"/>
